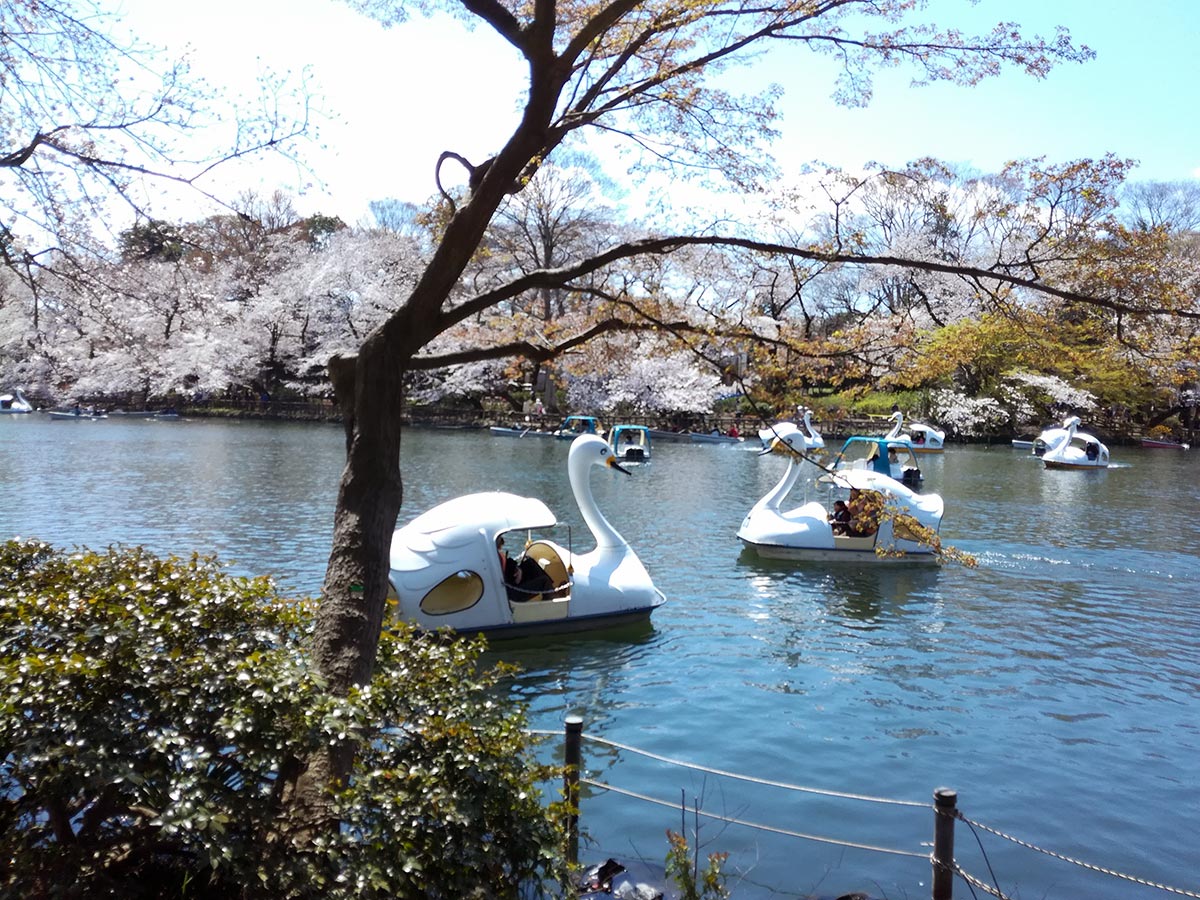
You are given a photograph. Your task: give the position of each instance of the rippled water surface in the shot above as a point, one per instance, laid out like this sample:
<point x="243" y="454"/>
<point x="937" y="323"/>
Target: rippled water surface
<point x="1056" y="687"/>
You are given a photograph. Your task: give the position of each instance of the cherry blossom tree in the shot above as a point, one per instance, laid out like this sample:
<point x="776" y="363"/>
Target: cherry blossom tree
<point x="631" y="70"/>
<point x="90" y="118"/>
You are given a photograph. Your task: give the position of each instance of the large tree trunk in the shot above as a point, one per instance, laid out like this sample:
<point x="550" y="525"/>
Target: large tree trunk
<point x="353" y="598"/>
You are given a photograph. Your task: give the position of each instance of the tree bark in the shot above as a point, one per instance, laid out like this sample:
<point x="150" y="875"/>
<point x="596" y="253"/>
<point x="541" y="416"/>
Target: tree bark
<point x="368" y="389"/>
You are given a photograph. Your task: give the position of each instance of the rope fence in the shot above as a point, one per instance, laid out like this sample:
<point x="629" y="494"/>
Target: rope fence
<point x="945" y="867"/>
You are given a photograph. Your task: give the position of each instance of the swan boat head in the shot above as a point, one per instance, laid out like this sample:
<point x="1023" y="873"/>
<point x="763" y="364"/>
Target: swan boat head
<point x="445" y="570"/>
<point x="897" y="418"/>
<point x="813" y="437"/>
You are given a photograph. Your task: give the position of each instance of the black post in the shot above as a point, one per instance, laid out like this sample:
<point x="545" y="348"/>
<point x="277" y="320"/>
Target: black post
<point x="571" y="785"/>
<point x="945" y="802"/>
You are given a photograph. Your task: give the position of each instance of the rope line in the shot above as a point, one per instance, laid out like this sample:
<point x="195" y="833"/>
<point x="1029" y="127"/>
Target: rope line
<point x="674" y="805"/>
<point x="763" y="781"/>
<point x="968" y="878"/>
<point x="1078" y="862"/>
<point x="977" y="883"/>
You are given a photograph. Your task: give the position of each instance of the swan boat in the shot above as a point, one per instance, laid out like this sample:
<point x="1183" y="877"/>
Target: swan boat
<point x="14" y="404"/>
<point x="445" y="570"/>
<point x="807" y="532"/>
<point x="887" y="455"/>
<point x="923" y="438"/>
<point x="630" y="443"/>
<point x="812" y="437"/>
<point x="1074" y="449"/>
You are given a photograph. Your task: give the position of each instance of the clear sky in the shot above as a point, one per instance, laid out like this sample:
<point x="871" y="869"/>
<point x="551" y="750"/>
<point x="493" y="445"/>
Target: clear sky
<point x="399" y="97"/>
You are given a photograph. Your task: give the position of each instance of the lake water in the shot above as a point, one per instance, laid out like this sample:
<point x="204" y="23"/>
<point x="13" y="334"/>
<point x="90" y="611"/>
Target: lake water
<point x="1056" y="687"/>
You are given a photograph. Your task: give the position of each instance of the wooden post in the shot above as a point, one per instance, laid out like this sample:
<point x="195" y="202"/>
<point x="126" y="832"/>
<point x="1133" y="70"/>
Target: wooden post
<point x="571" y="785"/>
<point x="945" y="802"/>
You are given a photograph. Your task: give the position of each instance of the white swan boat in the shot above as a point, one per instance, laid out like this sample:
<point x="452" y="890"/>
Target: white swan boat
<point x="1073" y="449"/>
<point x="812" y="438"/>
<point x="808" y="531"/>
<point x="888" y="455"/>
<point x="14" y="404"/>
<point x="923" y="438"/>
<point x="630" y="443"/>
<point x="445" y="570"/>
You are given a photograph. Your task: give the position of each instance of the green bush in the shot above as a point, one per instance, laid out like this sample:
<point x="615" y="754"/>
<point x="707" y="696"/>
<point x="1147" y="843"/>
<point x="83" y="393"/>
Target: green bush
<point x="154" y="713"/>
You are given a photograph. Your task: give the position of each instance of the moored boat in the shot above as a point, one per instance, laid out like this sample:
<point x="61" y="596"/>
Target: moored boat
<point x="1164" y="444"/>
<point x="715" y="437"/>
<point x="78" y="413"/>
<point x="520" y="431"/>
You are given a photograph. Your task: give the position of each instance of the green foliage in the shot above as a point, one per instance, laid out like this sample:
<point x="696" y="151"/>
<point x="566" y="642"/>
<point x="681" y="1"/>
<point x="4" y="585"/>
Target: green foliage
<point x="683" y="867"/>
<point x="153" y="241"/>
<point x="152" y="716"/>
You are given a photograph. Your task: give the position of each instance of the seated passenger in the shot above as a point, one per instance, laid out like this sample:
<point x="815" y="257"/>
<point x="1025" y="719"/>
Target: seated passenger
<point x="524" y="579"/>
<point x="840" y="519"/>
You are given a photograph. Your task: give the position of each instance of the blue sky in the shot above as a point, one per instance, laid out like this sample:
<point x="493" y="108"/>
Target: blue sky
<point x="400" y="97"/>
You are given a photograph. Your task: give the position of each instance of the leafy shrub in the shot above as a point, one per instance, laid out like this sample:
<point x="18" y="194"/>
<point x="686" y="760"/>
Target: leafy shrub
<point x="155" y="712"/>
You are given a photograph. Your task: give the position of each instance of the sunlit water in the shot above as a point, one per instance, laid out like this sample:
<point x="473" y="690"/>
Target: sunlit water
<point x="1056" y="687"/>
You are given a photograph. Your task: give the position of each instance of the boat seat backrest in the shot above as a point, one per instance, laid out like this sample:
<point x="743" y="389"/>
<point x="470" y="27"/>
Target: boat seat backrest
<point x="547" y="557"/>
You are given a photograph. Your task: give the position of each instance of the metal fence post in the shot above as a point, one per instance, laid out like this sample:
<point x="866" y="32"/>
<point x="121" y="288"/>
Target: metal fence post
<point x="571" y="785"/>
<point x="945" y="803"/>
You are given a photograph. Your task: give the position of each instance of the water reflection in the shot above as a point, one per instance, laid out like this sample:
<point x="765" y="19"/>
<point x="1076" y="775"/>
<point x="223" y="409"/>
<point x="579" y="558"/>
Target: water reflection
<point x="861" y="592"/>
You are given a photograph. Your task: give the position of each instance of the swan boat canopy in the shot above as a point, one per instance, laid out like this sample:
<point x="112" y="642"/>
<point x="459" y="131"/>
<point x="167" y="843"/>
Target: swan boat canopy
<point x="812" y="438"/>
<point x="1075" y="449"/>
<point x="630" y="443"/>
<point x="808" y="532"/>
<point x="573" y="426"/>
<point x="14" y="404"/>
<point x="446" y="571"/>
<point x="890" y="456"/>
<point x="926" y="438"/>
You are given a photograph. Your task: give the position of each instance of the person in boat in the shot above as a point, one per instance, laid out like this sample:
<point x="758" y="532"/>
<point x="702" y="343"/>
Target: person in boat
<point x="522" y="579"/>
<point x="1092" y="450"/>
<point x="864" y="517"/>
<point x="840" y="518"/>
<point x="733" y="431"/>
